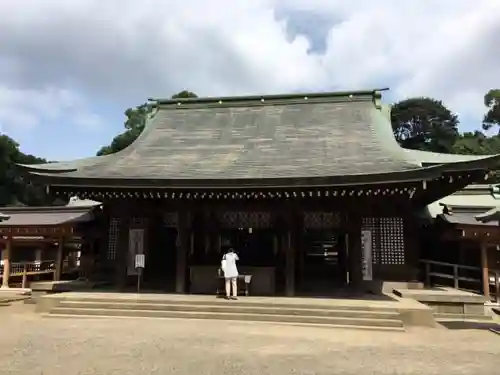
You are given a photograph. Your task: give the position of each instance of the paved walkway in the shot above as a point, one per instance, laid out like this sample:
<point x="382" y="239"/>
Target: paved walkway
<point x="31" y="345"/>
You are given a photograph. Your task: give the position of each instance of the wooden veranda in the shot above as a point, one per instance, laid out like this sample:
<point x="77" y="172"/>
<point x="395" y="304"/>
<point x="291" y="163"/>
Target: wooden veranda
<point x="43" y="228"/>
<point x="484" y="233"/>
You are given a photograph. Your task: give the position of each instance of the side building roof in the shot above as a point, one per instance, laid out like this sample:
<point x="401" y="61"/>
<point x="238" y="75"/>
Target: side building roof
<point x="276" y="140"/>
<point x="45" y="216"/>
<point x="475" y="205"/>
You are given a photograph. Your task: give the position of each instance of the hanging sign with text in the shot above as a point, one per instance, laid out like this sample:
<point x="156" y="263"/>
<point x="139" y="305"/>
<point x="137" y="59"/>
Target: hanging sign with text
<point x="366" y="246"/>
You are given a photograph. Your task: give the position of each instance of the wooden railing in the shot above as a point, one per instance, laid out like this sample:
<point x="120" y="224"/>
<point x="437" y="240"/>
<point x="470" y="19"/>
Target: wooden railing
<point x="25" y="269"/>
<point x="455" y="272"/>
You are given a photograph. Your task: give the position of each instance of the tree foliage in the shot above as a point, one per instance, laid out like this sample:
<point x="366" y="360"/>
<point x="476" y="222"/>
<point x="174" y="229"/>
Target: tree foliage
<point x="477" y="143"/>
<point x="492" y="102"/>
<point x="424" y="124"/>
<point x="14" y="189"/>
<point x="184" y="94"/>
<point x="134" y="125"/>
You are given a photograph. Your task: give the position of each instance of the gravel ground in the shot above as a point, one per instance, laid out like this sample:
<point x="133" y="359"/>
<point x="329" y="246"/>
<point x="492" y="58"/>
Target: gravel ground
<point x="30" y="344"/>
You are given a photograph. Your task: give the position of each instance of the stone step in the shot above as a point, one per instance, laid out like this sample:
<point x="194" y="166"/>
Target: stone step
<point x="462" y="317"/>
<point x="325" y="326"/>
<point x="320" y="320"/>
<point x="242" y="302"/>
<point x="233" y="309"/>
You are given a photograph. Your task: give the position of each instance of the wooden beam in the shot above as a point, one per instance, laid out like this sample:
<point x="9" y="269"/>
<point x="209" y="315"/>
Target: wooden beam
<point x="486" y="273"/>
<point x="6" y="263"/>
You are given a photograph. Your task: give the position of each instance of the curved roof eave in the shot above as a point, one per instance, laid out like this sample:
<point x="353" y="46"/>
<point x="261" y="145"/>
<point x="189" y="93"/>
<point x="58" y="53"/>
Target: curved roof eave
<point x="418" y="174"/>
<point x="490" y="215"/>
<point x="428" y="157"/>
<point x="63" y="166"/>
<point x="74" y="165"/>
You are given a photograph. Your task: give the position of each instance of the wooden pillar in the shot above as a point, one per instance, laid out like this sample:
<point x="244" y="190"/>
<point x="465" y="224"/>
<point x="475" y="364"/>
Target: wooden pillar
<point x="289" y="264"/>
<point x="122" y="251"/>
<point x="484" y="266"/>
<point x="59" y="259"/>
<point x="24" y="281"/>
<point x="411" y="246"/>
<point x="290" y="243"/>
<point x="182" y="250"/>
<point x="6" y="262"/>
<point x="355" y="259"/>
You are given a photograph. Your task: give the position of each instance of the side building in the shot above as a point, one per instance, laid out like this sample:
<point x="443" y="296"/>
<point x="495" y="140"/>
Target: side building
<point x="312" y="190"/>
<point x="460" y="242"/>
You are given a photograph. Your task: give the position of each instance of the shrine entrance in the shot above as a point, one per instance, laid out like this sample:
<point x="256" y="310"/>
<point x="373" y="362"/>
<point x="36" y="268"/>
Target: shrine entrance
<point x="253" y="235"/>
<point x="323" y="255"/>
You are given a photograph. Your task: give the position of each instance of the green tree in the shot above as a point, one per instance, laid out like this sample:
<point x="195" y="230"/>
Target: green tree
<point x="476" y="143"/>
<point x="134" y="125"/>
<point x="424" y="124"/>
<point x="14" y="189"/>
<point x="492" y="102"/>
<point x="184" y="94"/>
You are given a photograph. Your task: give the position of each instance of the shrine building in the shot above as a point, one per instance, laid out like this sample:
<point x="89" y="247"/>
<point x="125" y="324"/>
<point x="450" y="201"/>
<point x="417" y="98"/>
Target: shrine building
<point x="311" y="190"/>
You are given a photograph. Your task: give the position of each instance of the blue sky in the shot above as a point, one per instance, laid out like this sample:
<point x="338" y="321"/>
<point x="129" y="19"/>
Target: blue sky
<point x="69" y="69"/>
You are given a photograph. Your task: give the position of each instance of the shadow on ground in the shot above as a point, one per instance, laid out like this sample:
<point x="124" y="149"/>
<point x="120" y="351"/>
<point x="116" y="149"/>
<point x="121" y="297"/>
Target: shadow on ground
<point x="485" y="326"/>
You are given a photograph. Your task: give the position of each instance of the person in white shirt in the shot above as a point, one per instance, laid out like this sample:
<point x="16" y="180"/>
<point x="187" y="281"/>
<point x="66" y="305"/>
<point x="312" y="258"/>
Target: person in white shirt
<point x="230" y="270"/>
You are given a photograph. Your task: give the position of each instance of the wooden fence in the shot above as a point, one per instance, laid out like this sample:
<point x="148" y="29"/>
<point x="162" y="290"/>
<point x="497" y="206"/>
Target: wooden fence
<point x="460" y="275"/>
<point x="25" y="269"/>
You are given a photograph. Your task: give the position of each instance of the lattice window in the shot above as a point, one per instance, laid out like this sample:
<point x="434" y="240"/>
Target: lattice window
<point x="113" y="234"/>
<point x="138" y="222"/>
<point x="372" y="224"/>
<point x="171" y="220"/>
<point x="392" y="243"/>
<point x="245" y="219"/>
<point x="321" y="220"/>
<point x="387" y="239"/>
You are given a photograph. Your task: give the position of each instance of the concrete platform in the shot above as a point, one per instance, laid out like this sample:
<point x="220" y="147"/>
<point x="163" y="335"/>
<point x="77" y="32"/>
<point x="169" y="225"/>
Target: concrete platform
<point x="393" y="313"/>
<point x="9" y="295"/>
<point x="444" y="294"/>
<point x="14" y="292"/>
<point x="63" y="285"/>
<point x="449" y="303"/>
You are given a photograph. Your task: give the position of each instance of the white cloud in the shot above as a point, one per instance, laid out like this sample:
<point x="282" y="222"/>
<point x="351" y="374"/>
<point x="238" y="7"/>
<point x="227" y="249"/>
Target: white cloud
<point x="84" y="51"/>
<point x="21" y="110"/>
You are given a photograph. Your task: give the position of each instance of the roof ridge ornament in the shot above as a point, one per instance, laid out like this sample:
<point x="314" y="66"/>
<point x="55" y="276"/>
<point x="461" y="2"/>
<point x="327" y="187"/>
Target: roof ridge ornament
<point x="377" y="97"/>
<point x="447" y="210"/>
<point x="374" y="94"/>
<point x="495" y="191"/>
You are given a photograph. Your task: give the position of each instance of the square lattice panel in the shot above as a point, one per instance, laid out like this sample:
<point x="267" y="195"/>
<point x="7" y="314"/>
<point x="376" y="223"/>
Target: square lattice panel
<point x="245" y="219"/>
<point x="321" y="220"/>
<point x="387" y="239"/>
<point x="392" y="243"/>
<point x="114" y="232"/>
